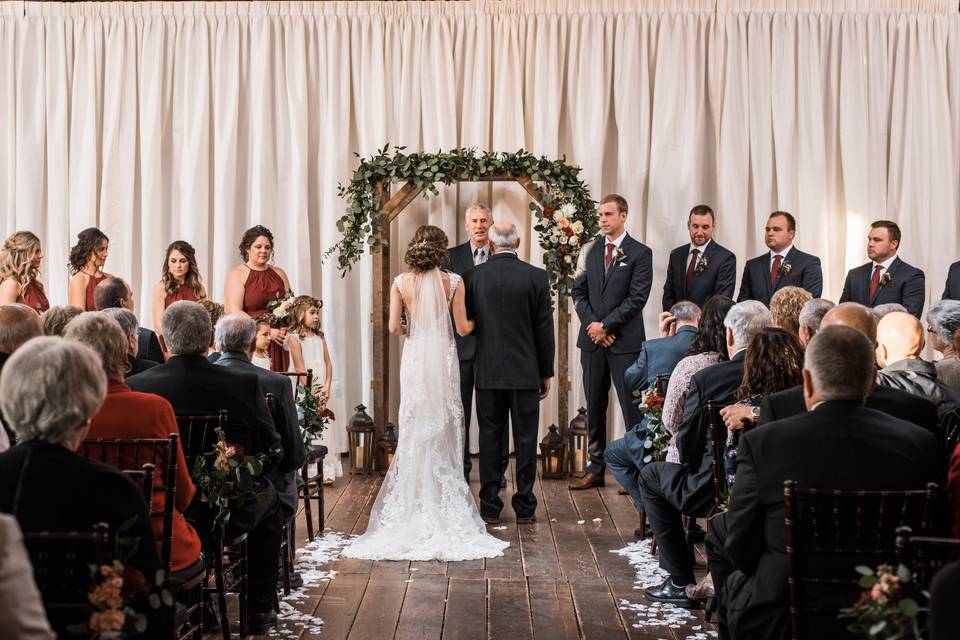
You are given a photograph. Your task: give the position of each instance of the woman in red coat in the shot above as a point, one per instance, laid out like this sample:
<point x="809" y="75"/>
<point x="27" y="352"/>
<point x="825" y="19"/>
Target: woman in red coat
<point x="129" y="414"/>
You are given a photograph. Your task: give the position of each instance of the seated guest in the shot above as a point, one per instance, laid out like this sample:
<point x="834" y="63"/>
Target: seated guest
<point x="236" y="334"/>
<point x="882" y="310"/>
<point x="114" y="292"/>
<point x="895" y="402"/>
<point x="943" y="621"/>
<point x="131" y="329"/>
<point x="55" y="318"/>
<point x="18" y="324"/>
<point x="661" y="355"/>
<point x="943" y="321"/>
<point x="671" y="490"/>
<point x="953" y="490"/>
<point x="128" y="414"/>
<point x="215" y="309"/>
<point x="625" y="455"/>
<point x="811" y="315"/>
<point x="838" y="443"/>
<point x="786" y="305"/>
<point x="49" y="391"/>
<point x="194" y="386"/>
<point x="22" y="615"/>
<point x="899" y="343"/>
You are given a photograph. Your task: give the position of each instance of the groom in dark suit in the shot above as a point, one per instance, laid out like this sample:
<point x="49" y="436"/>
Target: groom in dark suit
<point x="783" y="266"/>
<point x="701" y="268"/>
<point x="609" y="297"/>
<point x="461" y="259"/>
<point x="510" y="302"/>
<point x="886" y="278"/>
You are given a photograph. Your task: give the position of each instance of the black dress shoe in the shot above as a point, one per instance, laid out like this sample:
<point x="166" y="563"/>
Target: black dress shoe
<point x="526" y="519"/>
<point x="259" y="624"/>
<point x="296" y="580"/>
<point x="672" y="594"/>
<point x="491" y="519"/>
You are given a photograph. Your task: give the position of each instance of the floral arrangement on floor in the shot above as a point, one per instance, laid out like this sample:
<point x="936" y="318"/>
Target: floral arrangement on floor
<point x="227" y="475"/>
<point x="314" y="416"/>
<point x="884" y="611"/>
<point x="563" y="191"/>
<point x="658" y="437"/>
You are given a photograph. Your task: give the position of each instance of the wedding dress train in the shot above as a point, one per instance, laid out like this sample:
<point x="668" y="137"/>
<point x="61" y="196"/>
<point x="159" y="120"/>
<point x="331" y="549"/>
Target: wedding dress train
<point x="425" y="510"/>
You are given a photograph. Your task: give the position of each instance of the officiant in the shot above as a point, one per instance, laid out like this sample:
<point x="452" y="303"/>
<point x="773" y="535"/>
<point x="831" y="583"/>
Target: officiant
<point x="461" y="258"/>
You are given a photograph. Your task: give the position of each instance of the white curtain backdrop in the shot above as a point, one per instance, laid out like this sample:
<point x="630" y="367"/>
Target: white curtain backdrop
<point x="159" y="121"/>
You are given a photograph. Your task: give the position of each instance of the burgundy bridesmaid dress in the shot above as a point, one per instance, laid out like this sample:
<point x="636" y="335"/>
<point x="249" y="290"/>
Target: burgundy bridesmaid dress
<point x="261" y="288"/>
<point x="34" y="297"/>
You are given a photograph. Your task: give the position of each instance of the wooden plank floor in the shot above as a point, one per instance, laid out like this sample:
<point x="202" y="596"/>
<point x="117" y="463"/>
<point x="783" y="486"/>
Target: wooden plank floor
<point x="557" y="580"/>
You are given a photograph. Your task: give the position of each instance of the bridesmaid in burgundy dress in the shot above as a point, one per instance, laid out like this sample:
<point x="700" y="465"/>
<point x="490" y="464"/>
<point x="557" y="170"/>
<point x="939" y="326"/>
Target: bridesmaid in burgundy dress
<point x="87" y="258"/>
<point x="180" y="281"/>
<point x="255" y="283"/>
<point x="19" y="271"/>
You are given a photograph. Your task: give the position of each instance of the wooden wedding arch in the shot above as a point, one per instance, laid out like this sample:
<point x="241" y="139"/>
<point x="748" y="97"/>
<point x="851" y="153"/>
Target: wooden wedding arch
<point x="373" y="207"/>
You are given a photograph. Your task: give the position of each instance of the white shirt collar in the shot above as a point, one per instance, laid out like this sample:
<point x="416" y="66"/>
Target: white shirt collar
<point x="783" y="253"/>
<point x="617" y="241"/>
<point x="885" y="264"/>
<point x="702" y="249"/>
<point x="485" y="248"/>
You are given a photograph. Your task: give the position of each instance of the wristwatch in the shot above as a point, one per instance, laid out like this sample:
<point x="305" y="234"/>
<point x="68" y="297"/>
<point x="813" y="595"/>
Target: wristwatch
<point x="756" y="413"/>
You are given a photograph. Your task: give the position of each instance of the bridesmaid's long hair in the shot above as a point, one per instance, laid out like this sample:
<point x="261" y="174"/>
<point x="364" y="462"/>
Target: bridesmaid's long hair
<point x="428" y="248"/>
<point x="191" y="279"/>
<point x="16" y="259"/>
<point x="88" y="243"/>
<point x="298" y="315"/>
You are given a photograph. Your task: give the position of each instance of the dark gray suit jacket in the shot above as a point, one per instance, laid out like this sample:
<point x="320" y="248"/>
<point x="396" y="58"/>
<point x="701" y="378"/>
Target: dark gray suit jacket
<point x="658" y="356"/>
<point x="805" y="272"/>
<point x="459" y="261"/>
<point x="718" y="278"/>
<point x="906" y="287"/>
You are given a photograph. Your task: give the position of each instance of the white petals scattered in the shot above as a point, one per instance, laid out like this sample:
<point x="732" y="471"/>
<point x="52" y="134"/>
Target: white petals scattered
<point x="310" y="562"/>
<point x="581" y="521"/>
<point x="500" y="528"/>
<point x="598" y="520"/>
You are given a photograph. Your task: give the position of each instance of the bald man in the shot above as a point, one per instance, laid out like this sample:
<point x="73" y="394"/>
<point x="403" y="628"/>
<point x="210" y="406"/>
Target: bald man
<point x="900" y="339"/>
<point x="886" y="398"/>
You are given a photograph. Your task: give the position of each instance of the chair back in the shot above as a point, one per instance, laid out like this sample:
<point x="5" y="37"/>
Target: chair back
<point x="144" y="479"/>
<point x="831" y="531"/>
<point x="660" y="384"/>
<point x="61" y="568"/>
<point x="718" y="437"/>
<point x="130" y="455"/>
<point x="925" y="555"/>
<point x="199" y="433"/>
<point x="306" y="378"/>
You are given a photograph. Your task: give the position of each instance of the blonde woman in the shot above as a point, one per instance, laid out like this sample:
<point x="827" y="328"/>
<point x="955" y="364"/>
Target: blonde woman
<point x="20" y="260"/>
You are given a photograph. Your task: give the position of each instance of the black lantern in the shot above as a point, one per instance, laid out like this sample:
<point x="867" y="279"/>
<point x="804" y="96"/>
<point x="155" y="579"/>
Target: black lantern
<point x="552" y="454"/>
<point x="388" y="445"/>
<point x="579" y="456"/>
<point x="362" y="432"/>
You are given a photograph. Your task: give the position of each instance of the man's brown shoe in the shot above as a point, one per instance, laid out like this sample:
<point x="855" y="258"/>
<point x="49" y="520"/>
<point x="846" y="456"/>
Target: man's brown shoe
<point x="586" y="482"/>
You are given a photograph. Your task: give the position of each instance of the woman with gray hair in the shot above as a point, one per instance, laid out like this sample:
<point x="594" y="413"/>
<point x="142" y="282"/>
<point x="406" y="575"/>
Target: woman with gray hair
<point x="943" y="321"/>
<point x="131" y="329"/>
<point x="49" y="390"/>
<point x="154" y="419"/>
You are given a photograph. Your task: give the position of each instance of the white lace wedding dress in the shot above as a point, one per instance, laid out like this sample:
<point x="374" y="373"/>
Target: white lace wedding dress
<point x="425" y="510"/>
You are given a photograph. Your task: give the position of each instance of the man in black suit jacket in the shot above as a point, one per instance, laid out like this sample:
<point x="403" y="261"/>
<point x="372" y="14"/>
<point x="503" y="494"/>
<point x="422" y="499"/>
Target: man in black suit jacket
<point x="510" y="302"/>
<point x="671" y="490"/>
<point x="894" y="402"/>
<point x="838" y="443"/>
<point x="783" y="266"/>
<point x="236" y="338"/>
<point x="702" y="268"/>
<point x="115" y="292"/>
<point x="951" y="290"/>
<point x="194" y="386"/>
<point x="659" y="356"/>
<point x="609" y="297"/>
<point x="460" y="259"/>
<point x="886" y="278"/>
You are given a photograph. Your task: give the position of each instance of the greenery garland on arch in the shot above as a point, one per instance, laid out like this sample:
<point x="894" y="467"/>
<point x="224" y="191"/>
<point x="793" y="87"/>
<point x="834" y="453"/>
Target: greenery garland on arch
<point x="566" y="214"/>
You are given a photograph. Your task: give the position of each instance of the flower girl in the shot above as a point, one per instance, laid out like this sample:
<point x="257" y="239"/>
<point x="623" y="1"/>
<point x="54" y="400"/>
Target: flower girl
<point x="308" y="350"/>
<point x="261" y="355"/>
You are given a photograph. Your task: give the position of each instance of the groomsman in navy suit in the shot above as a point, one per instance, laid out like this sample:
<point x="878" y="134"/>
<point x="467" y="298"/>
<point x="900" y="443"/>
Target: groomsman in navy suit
<point x="609" y="296"/>
<point x="702" y="268"/>
<point x="886" y="278"/>
<point x="783" y="266"/>
<point x="951" y="291"/>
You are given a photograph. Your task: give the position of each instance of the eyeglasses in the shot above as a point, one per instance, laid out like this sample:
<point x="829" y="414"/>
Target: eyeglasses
<point x="931" y="330"/>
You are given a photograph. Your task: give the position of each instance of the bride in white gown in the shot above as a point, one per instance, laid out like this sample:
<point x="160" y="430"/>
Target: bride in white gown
<point x="425" y="510"/>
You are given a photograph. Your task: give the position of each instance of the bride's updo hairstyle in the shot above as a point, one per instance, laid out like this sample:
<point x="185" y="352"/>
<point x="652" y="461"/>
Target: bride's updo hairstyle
<point x="428" y="249"/>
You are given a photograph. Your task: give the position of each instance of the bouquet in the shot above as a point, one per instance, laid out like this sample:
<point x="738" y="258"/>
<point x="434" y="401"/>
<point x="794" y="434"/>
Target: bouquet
<point x="650" y="404"/>
<point x="314" y="416"/>
<point x="226" y="474"/>
<point x="884" y="611"/>
<point x="278" y="311"/>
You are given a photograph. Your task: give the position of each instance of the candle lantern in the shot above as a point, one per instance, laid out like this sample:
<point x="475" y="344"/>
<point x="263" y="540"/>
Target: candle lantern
<point x="388" y="445"/>
<point x="361" y="432"/>
<point x="552" y="454"/>
<point x="579" y="456"/>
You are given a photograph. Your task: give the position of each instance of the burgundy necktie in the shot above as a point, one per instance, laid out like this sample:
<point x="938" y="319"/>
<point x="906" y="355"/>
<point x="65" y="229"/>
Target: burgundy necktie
<point x="609" y="257"/>
<point x="874" y="281"/>
<point x="692" y="266"/>
<point x="775" y="270"/>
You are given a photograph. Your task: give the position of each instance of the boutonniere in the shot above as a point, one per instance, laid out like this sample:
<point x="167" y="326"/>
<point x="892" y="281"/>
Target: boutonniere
<point x="786" y="268"/>
<point x="619" y="257"/>
<point x="701" y="265"/>
<point x="887" y="281"/>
